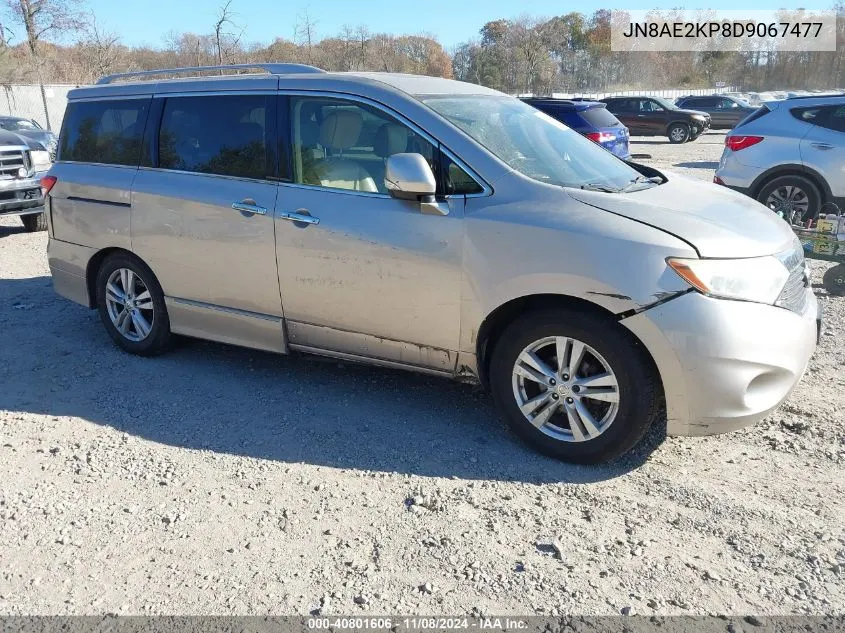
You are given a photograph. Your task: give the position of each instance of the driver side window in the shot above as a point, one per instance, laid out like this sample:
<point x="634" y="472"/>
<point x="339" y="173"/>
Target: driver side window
<point x="344" y="144"/>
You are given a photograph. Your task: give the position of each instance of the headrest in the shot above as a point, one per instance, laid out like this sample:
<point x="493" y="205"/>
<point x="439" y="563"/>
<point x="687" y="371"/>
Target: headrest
<point x="391" y="139"/>
<point x="341" y="129"/>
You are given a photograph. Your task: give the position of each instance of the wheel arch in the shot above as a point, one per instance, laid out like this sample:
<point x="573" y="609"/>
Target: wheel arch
<point x="675" y="122"/>
<point x="93" y="268"/>
<point x="496" y="321"/>
<point x="792" y="169"/>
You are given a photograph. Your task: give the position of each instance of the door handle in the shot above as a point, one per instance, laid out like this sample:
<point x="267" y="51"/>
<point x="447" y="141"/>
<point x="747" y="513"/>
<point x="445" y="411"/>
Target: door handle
<point x="249" y="206"/>
<point x="304" y="218"/>
<point x="640" y="115"/>
<point x="822" y="145"/>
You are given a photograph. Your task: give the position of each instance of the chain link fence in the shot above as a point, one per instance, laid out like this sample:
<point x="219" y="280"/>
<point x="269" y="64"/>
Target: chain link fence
<point x="25" y="101"/>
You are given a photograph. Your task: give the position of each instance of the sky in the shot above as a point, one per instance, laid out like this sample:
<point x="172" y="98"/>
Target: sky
<point x="450" y="21"/>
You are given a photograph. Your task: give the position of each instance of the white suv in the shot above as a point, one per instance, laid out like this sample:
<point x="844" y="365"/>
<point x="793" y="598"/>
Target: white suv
<point x="789" y="155"/>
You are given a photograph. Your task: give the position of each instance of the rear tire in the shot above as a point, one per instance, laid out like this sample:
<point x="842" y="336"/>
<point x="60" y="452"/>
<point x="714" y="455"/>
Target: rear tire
<point x="136" y="320"/>
<point x="587" y="424"/>
<point x="787" y="193"/>
<point x="678" y="133"/>
<point x="834" y="280"/>
<point x="34" y="222"/>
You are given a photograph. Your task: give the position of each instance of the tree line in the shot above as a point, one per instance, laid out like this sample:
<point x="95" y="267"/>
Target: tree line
<point x="59" y="41"/>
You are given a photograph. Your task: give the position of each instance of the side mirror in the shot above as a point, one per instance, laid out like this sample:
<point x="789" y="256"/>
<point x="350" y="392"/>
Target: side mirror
<point x="409" y="177"/>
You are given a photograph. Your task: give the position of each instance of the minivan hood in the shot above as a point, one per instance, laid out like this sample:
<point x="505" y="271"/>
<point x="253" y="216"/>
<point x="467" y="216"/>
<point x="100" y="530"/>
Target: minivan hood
<point x="715" y="220"/>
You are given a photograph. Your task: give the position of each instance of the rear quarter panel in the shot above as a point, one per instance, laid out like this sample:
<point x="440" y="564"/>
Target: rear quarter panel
<point x="91" y="204"/>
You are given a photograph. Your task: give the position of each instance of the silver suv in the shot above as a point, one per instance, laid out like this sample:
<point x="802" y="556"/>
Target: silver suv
<point x="789" y="155"/>
<point x="432" y="225"/>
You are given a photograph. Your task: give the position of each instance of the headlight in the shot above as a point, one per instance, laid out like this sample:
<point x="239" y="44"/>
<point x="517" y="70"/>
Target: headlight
<point x="699" y="117"/>
<point x="759" y="279"/>
<point x="40" y="158"/>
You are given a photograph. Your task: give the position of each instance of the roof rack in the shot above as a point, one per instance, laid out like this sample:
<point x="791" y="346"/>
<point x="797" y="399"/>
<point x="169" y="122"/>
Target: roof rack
<point x="271" y="69"/>
<point x="824" y="96"/>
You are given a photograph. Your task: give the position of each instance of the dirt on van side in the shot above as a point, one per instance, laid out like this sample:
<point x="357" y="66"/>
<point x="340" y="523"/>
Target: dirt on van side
<point x="218" y="480"/>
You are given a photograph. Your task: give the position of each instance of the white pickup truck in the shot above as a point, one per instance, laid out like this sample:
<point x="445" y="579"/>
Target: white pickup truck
<point x="22" y="164"/>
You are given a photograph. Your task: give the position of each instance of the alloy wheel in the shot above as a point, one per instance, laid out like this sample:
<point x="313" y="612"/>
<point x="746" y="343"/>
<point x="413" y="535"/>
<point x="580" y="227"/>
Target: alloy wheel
<point x="129" y="305"/>
<point x="789" y="200"/>
<point x="566" y="389"/>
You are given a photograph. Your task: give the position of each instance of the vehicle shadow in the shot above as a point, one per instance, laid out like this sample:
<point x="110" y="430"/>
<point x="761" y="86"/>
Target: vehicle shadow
<point x="211" y="397"/>
<point x="7" y="230"/>
<point x="699" y="164"/>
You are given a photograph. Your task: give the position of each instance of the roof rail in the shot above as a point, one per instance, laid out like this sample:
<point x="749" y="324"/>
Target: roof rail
<point x="271" y="69"/>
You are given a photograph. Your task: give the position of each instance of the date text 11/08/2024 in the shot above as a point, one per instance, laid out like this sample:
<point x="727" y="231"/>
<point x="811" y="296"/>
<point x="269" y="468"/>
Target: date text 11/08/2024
<point x="417" y="623"/>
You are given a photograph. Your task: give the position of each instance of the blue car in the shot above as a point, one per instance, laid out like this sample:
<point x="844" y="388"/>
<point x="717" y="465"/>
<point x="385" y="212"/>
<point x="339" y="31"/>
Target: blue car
<point x="589" y="118"/>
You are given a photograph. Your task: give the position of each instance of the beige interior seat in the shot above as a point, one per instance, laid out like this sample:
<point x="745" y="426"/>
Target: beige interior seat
<point x="340" y="131"/>
<point x="391" y="138"/>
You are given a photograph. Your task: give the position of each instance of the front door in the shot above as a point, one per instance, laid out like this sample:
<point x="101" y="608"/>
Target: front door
<point x="375" y="277"/>
<point x="652" y="117"/>
<point x="203" y="217"/>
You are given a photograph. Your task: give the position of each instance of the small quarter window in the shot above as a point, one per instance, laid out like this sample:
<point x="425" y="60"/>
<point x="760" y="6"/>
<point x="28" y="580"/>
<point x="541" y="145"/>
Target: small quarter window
<point x="109" y="131"/>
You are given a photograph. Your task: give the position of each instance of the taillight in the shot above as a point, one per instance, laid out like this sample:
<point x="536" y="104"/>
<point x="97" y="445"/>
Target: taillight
<point x="600" y="137"/>
<point x="47" y="183"/>
<point x="737" y="143"/>
<point x="718" y="180"/>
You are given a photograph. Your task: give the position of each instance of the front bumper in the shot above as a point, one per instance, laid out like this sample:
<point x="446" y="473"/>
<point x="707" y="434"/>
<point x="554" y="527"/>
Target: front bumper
<point x="21" y="196"/>
<point x="725" y="364"/>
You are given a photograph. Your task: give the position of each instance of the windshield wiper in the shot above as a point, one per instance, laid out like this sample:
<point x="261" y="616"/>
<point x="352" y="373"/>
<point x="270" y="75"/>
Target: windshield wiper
<point x="641" y="180"/>
<point x="592" y="186"/>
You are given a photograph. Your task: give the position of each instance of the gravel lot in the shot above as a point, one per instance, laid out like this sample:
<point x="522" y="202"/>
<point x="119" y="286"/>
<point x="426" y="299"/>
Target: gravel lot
<point x="224" y="481"/>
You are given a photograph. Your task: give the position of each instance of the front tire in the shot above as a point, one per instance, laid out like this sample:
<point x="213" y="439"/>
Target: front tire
<point x="34" y="222"/>
<point x="678" y="133"/>
<point x="131" y="306"/>
<point x="593" y="406"/>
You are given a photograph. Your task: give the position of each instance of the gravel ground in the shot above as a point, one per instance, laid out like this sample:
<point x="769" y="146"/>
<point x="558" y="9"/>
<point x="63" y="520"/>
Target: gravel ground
<point x="224" y="481"/>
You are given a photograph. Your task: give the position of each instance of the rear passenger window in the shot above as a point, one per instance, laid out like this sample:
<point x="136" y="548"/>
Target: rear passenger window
<point x="833" y="118"/>
<point x="226" y="135"/>
<point x="810" y="115"/>
<point x="108" y="132"/>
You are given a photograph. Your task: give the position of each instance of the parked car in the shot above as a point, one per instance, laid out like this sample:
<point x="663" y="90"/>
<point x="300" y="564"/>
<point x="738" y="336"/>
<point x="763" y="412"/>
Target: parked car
<point x="789" y="155"/>
<point x="30" y="129"/>
<point x="725" y="112"/>
<point x="589" y="118"/>
<point x="22" y="164"/>
<point x="432" y="225"/>
<point x="655" y="116"/>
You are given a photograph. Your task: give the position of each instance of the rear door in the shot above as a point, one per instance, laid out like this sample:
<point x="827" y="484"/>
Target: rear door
<point x="823" y="148"/>
<point x="626" y="110"/>
<point x="203" y="215"/>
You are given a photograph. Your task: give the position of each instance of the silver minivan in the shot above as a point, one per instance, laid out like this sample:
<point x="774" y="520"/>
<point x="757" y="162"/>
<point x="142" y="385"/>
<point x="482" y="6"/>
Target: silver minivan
<point x="427" y="224"/>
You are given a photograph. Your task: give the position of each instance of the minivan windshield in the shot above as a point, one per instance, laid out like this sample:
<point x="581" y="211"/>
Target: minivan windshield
<point x="533" y="143"/>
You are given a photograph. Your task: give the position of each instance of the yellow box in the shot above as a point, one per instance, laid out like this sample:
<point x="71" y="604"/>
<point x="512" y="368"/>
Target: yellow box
<point x="827" y="226"/>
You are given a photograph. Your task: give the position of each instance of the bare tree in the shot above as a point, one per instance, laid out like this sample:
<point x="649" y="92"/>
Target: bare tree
<point x="40" y="18"/>
<point x="221" y="37"/>
<point x="102" y="47"/>
<point x="305" y="33"/>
